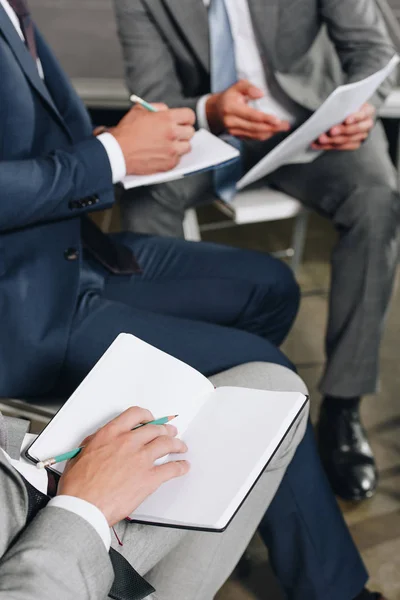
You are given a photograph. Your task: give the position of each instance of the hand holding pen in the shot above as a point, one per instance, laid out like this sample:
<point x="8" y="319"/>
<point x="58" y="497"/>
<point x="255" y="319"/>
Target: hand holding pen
<point x="154" y="140"/>
<point x="115" y="471"/>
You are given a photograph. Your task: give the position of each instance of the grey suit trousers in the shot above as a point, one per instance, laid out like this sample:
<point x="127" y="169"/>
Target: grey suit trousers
<point x="61" y="556"/>
<point x="189" y="565"/>
<point x="358" y="192"/>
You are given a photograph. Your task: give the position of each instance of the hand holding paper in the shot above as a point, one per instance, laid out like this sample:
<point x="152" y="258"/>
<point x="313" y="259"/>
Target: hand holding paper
<point x="339" y="106"/>
<point x="350" y="134"/>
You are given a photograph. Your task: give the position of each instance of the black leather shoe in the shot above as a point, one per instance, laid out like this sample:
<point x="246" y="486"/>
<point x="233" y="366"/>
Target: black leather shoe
<point x="345" y="452"/>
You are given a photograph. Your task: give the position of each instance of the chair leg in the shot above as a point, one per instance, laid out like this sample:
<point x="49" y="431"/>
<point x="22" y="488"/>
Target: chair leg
<point x="298" y="240"/>
<point x="191" y="227"/>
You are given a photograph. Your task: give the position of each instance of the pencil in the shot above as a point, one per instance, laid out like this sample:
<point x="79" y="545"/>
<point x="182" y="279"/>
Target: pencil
<point x="49" y="462"/>
<point x="137" y="100"/>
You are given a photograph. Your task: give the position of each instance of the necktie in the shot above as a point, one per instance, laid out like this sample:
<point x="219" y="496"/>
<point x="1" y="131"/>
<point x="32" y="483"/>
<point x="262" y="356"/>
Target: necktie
<point x="223" y="76"/>
<point x="21" y="9"/>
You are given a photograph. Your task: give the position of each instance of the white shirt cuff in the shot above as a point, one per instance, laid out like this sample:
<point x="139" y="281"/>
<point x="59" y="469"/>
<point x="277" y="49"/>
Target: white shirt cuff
<point x="87" y="511"/>
<point x="201" y="112"/>
<point x="115" y="156"/>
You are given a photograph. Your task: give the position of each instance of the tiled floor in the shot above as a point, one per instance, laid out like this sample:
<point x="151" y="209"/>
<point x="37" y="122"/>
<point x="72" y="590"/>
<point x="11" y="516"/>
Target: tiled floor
<point x="375" y="524"/>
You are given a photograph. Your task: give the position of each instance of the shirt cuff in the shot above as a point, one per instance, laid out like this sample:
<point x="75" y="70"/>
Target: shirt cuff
<point x="201" y="112"/>
<point x="87" y="511"/>
<point x="115" y="156"/>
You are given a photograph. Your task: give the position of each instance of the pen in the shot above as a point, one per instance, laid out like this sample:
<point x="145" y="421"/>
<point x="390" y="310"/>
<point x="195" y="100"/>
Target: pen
<point x="72" y="453"/>
<point x="137" y="100"/>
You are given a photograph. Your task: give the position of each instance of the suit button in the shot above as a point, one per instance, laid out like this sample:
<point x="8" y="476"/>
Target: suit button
<point x="71" y="254"/>
<point x="74" y="204"/>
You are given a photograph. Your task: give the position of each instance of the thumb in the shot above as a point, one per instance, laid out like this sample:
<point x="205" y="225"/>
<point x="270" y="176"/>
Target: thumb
<point x="248" y="89"/>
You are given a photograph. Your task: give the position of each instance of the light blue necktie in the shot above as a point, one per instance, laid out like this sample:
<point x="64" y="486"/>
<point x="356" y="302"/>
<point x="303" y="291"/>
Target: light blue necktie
<point x="223" y="76"/>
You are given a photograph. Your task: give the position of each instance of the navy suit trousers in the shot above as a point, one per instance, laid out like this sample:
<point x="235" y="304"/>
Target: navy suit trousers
<point x="216" y="307"/>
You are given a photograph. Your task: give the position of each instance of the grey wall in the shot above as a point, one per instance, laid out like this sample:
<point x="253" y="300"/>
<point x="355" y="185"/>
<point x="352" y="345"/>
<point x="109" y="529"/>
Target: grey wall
<point x="83" y="35"/>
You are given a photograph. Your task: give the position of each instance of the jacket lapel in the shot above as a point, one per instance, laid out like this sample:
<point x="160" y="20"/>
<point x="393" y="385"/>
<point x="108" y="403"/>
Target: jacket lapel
<point x="191" y="17"/>
<point x="25" y="60"/>
<point x="264" y="14"/>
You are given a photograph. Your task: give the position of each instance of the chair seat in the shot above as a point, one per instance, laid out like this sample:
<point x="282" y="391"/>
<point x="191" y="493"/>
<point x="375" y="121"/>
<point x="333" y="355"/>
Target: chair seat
<point x="32" y="408"/>
<point x="264" y="204"/>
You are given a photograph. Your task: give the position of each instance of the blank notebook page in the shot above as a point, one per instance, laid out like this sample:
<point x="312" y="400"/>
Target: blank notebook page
<point x="130" y="373"/>
<point x="230" y="442"/>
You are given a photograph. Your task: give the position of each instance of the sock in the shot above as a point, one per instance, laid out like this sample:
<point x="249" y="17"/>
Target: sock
<point x="333" y="404"/>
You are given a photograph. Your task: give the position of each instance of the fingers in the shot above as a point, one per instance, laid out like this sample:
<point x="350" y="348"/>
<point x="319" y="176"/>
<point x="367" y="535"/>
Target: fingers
<point x="248" y="89"/>
<point x="145" y="435"/>
<point x="347" y="146"/>
<point x="246" y="112"/>
<point x="183" y="116"/>
<point x="126" y="421"/>
<point x="242" y="128"/>
<point x="366" y="111"/>
<point x="339" y="140"/>
<point x="181" y="132"/>
<point x="164" y="445"/>
<point x="171" y="470"/>
<point x="359" y="127"/>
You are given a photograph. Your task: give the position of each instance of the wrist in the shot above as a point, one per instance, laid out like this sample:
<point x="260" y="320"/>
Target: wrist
<point x="213" y="113"/>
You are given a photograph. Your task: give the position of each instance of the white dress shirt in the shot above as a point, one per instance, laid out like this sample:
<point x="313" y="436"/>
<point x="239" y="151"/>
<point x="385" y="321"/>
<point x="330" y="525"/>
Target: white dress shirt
<point x="111" y="146"/>
<point x="248" y="62"/>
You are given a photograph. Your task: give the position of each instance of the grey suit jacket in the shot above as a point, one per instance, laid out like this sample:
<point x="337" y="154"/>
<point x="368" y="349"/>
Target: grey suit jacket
<point x="308" y="47"/>
<point x="59" y="556"/>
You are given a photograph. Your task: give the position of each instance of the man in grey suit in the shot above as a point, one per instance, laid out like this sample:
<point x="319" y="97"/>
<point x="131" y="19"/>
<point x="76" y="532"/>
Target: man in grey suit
<point x="58" y="549"/>
<point x="62" y="552"/>
<point x="253" y="70"/>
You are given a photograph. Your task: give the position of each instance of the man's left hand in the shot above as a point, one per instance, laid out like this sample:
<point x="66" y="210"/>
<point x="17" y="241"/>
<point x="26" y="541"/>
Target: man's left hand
<point x="350" y="134"/>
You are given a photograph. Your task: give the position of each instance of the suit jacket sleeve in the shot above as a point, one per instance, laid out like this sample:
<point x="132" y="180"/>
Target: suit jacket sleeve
<point x="59" y="555"/>
<point x="361" y="39"/>
<point x="47" y="188"/>
<point x="149" y="65"/>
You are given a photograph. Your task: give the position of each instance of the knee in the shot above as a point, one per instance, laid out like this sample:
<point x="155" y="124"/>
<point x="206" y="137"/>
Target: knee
<point x="375" y="210"/>
<point x="262" y="375"/>
<point x="283" y="287"/>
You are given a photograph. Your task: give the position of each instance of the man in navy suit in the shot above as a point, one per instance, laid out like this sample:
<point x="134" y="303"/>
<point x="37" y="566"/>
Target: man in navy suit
<point x="66" y="290"/>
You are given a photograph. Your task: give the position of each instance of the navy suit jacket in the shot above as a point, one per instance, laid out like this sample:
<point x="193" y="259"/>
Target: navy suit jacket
<point x="52" y="172"/>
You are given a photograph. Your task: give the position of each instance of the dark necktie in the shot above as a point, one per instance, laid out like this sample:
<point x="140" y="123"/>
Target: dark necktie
<point x="22" y="11"/>
<point x="128" y="584"/>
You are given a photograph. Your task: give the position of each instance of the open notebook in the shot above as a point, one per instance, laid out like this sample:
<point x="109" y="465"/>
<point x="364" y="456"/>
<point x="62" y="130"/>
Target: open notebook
<point x="208" y="151"/>
<point x="232" y="433"/>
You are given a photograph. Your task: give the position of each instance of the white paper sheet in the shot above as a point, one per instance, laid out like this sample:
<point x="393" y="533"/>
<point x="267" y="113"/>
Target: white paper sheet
<point x="344" y="101"/>
<point x="207" y="151"/>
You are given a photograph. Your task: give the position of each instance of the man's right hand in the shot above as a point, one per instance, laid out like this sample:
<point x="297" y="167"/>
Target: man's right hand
<point x="154" y="142"/>
<point x="229" y="111"/>
<point x="115" y="471"/>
